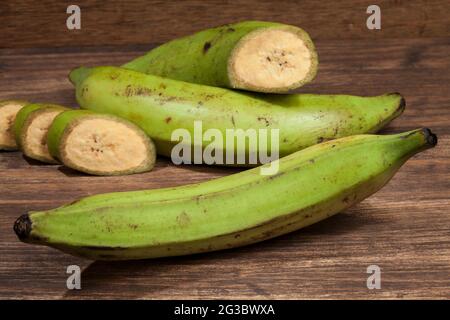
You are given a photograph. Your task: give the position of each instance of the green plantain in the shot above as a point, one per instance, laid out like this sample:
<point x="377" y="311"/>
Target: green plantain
<point x="232" y="211"/>
<point x="160" y="106"/>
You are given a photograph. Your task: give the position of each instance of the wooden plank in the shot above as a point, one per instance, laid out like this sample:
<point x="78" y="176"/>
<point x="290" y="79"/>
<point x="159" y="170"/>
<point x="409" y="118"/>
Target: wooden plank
<point x="115" y="22"/>
<point x="404" y="228"/>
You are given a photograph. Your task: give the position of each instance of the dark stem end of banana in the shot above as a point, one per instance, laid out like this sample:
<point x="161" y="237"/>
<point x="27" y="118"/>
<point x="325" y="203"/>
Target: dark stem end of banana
<point x="22" y="227"/>
<point x="430" y="137"/>
<point x="402" y="104"/>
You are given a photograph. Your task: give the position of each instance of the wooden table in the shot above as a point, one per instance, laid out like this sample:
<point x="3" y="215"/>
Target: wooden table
<point x="404" y="228"/>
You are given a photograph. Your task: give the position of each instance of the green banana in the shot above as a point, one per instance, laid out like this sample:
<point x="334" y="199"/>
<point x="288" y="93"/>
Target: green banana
<point x="251" y="55"/>
<point x="31" y="128"/>
<point x="100" y="144"/>
<point x="8" y="112"/>
<point x="232" y="211"/>
<point x="160" y="106"/>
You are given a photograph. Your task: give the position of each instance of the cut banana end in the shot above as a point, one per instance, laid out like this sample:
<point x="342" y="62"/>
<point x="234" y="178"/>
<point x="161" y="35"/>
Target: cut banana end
<point x="31" y="128"/>
<point x="273" y="60"/>
<point x="100" y="144"/>
<point x="8" y="112"/>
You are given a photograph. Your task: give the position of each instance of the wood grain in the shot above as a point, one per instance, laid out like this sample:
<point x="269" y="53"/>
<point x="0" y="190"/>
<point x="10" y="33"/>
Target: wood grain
<point x="404" y="228"/>
<point x="43" y="23"/>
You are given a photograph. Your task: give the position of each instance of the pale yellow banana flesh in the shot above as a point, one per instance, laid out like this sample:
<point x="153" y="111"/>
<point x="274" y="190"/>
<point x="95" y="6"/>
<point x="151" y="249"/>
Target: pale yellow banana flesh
<point x="8" y="112"/>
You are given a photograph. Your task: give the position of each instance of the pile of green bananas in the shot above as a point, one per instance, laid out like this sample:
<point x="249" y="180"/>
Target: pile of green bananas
<point x="329" y="161"/>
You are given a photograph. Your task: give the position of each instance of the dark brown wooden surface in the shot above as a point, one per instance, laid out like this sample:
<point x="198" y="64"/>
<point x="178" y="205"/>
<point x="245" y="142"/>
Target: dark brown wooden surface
<point x="404" y="228"/>
<point x="26" y="23"/>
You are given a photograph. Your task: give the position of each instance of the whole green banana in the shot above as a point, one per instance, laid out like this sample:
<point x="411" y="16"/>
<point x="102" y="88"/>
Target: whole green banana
<point x="232" y="211"/>
<point x="160" y="106"/>
<point x="251" y="55"/>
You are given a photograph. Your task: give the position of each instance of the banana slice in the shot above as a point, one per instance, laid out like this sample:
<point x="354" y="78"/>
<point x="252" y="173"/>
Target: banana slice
<point x="31" y="128"/>
<point x="100" y="144"/>
<point x="8" y="112"/>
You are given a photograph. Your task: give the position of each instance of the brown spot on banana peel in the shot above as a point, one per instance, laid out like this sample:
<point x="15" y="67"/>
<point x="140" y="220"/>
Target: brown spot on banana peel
<point x="206" y="47"/>
<point x="84" y="90"/>
<point x="209" y="44"/>
<point x="141" y="91"/>
<point x="183" y="219"/>
<point x="266" y="121"/>
<point x="137" y="91"/>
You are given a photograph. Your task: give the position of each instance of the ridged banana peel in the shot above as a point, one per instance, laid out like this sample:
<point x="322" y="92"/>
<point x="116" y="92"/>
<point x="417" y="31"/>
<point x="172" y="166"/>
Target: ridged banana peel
<point x="160" y="106"/>
<point x="228" y="212"/>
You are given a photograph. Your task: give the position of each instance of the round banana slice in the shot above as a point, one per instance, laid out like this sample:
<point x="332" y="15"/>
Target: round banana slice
<point x="271" y="60"/>
<point x="8" y="112"/>
<point x="31" y="128"/>
<point x="100" y="144"/>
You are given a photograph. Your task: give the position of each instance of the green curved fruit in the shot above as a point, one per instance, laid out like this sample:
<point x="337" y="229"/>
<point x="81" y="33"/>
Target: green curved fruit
<point x="232" y="211"/>
<point x="31" y="128"/>
<point x="160" y="106"/>
<point x="8" y="112"/>
<point x="100" y="144"/>
<point x="251" y="55"/>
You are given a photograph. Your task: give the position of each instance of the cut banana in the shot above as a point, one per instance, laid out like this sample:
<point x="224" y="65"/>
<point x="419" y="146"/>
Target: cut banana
<point x="100" y="144"/>
<point x="8" y="112"/>
<point x="31" y="128"/>
<point x="257" y="56"/>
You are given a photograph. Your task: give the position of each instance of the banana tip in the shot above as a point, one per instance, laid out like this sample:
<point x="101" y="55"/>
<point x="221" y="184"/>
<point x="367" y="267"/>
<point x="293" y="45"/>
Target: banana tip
<point x="402" y="103"/>
<point x="430" y="137"/>
<point x="77" y="75"/>
<point x="22" y="227"/>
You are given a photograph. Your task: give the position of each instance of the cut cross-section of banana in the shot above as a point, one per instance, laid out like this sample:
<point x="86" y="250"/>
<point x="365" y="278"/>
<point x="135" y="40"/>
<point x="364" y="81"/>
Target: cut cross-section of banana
<point x="272" y="60"/>
<point x="8" y="112"/>
<point x="31" y="128"/>
<point x="100" y="144"/>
